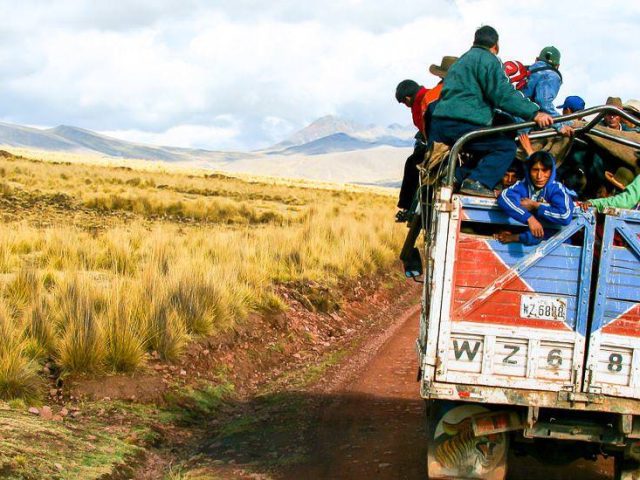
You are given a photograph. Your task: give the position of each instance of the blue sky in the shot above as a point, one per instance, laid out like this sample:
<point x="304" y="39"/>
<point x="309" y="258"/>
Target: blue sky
<point x="242" y="74"/>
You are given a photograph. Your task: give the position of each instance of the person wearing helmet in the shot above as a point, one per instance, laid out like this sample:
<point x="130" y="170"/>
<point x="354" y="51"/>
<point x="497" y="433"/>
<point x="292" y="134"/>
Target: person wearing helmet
<point x="544" y="84"/>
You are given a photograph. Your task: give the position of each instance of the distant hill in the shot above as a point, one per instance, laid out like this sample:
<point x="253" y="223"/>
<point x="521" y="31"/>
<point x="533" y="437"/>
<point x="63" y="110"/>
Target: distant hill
<point x="27" y="137"/>
<point x="341" y="142"/>
<point x="332" y="134"/>
<point x="329" y="149"/>
<point x="382" y="166"/>
<point x="77" y="140"/>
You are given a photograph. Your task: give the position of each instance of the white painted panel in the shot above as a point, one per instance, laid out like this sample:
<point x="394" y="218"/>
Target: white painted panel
<point x="465" y="353"/>
<point x="614" y="365"/>
<point x="510" y="357"/>
<point x="555" y="360"/>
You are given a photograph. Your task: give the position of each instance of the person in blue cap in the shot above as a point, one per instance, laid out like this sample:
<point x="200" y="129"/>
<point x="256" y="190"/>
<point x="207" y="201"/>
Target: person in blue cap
<point x="572" y="104"/>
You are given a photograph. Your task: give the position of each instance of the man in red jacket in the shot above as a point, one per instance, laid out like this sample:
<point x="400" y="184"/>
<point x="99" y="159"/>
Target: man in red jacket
<point x="418" y="99"/>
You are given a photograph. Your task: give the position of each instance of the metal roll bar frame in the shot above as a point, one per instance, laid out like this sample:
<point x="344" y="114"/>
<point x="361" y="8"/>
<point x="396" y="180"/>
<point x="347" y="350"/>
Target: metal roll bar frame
<point x="600" y="112"/>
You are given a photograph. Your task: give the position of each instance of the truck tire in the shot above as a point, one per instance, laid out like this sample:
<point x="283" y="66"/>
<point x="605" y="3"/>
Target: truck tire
<point x="452" y="449"/>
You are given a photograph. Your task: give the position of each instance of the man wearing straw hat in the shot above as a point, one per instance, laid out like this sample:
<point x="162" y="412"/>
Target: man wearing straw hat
<point x="612" y="120"/>
<point x="418" y="99"/>
<point x="632" y="107"/>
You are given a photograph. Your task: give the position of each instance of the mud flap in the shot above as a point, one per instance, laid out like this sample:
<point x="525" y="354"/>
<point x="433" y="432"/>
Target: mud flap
<point x="453" y="449"/>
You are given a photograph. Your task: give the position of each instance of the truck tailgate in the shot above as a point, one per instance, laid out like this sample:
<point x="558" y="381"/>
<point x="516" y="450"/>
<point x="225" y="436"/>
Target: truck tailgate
<point x="513" y="315"/>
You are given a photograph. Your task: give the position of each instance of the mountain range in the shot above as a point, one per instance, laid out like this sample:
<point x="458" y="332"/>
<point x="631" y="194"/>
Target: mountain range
<point x="328" y="149"/>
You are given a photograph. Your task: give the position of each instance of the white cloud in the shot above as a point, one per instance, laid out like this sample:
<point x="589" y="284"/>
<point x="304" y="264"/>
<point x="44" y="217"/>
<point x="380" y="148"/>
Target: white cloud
<point x="168" y="71"/>
<point x="187" y="136"/>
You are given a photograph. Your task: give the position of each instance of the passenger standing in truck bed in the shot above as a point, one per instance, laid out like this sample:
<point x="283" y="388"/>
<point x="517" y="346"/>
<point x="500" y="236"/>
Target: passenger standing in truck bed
<point x="537" y="197"/>
<point x="544" y="83"/>
<point x="475" y="87"/>
<point x="418" y="99"/>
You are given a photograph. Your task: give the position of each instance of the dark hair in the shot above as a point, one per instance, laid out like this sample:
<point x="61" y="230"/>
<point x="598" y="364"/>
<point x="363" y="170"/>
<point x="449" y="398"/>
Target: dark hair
<point x="485" y="36"/>
<point x="576" y="180"/>
<point x="545" y="158"/>
<point x="406" y="88"/>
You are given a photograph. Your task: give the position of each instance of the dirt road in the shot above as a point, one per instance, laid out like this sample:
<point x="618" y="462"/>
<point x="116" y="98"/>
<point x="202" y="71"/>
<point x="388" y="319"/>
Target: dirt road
<point x="373" y="425"/>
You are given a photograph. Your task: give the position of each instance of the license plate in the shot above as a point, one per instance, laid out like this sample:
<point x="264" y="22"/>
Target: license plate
<point x="543" y="307"/>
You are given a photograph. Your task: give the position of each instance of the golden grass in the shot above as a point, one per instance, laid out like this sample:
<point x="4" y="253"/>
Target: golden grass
<point x="82" y="346"/>
<point x="101" y="265"/>
<point x="18" y="372"/>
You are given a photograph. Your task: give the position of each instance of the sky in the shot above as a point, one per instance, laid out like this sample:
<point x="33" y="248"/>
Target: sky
<point x="243" y="75"/>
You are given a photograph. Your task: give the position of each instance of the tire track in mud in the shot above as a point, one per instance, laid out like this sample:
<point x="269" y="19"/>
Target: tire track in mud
<point x="373" y="425"/>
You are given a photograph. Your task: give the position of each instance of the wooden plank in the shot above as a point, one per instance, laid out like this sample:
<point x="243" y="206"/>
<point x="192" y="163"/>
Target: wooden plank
<point x="623" y="292"/>
<point x="555" y="360"/>
<point x="613" y="365"/>
<point x="511" y="356"/>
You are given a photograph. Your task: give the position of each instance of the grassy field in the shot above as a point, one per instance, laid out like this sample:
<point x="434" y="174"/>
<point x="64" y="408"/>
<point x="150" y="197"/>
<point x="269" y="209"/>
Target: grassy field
<point x="100" y="265"/>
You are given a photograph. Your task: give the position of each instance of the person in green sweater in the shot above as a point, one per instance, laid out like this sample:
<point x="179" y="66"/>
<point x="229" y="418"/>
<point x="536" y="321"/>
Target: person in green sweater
<point x="475" y="87"/>
<point x="629" y="198"/>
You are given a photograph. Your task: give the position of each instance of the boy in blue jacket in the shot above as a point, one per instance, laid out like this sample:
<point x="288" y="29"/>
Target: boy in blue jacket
<point x="537" y="197"/>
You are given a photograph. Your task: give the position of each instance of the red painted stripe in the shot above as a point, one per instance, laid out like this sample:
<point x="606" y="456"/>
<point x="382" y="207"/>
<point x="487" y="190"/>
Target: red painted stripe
<point x="627" y="324"/>
<point x="503" y="308"/>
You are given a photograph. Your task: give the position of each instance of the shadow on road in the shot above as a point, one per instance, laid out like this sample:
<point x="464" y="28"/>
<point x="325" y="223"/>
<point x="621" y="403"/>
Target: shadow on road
<point x="295" y="435"/>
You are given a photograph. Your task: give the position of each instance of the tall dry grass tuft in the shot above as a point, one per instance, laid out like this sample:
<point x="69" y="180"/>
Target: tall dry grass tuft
<point x="195" y="297"/>
<point x="18" y="373"/>
<point x="167" y="333"/>
<point x="118" y="255"/>
<point x="81" y="347"/>
<point x="23" y="289"/>
<point x="39" y="326"/>
<point x="124" y="330"/>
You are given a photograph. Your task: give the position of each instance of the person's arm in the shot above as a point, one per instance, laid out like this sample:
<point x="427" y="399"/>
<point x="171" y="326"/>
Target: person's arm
<point x="559" y="209"/>
<point x="501" y="94"/>
<point x="613" y="180"/>
<point x="525" y="143"/>
<point x="629" y="198"/>
<point x="509" y="201"/>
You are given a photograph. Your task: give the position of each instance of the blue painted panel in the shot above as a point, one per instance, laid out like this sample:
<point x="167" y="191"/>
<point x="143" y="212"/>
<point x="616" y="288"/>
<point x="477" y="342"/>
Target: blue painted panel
<point x="615" y="308"/>
<point x="622" y="292"/>
<point x="555" y="287"/>
<point x="512" y="253"/>
<point x="557" y="272"/>
<point x="618" y="288"/>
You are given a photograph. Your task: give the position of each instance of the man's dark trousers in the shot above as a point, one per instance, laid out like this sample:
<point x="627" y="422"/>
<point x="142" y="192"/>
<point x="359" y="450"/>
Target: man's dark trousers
<point x="411" y="177"/>
<point x="496" y="151"/>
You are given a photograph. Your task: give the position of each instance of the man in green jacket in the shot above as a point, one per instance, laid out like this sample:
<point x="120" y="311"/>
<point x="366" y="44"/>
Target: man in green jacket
<point x="476" y="86"/>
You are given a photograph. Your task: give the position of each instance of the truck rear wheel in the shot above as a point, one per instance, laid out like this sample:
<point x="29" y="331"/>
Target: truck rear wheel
<point x="453" y="451"/>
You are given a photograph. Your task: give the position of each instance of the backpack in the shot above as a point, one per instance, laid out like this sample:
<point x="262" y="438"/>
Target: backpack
<point x="519" y="73"/>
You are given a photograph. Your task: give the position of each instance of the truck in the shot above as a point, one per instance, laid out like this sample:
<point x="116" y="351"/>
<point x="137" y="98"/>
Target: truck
<point x="527" y="349"/>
